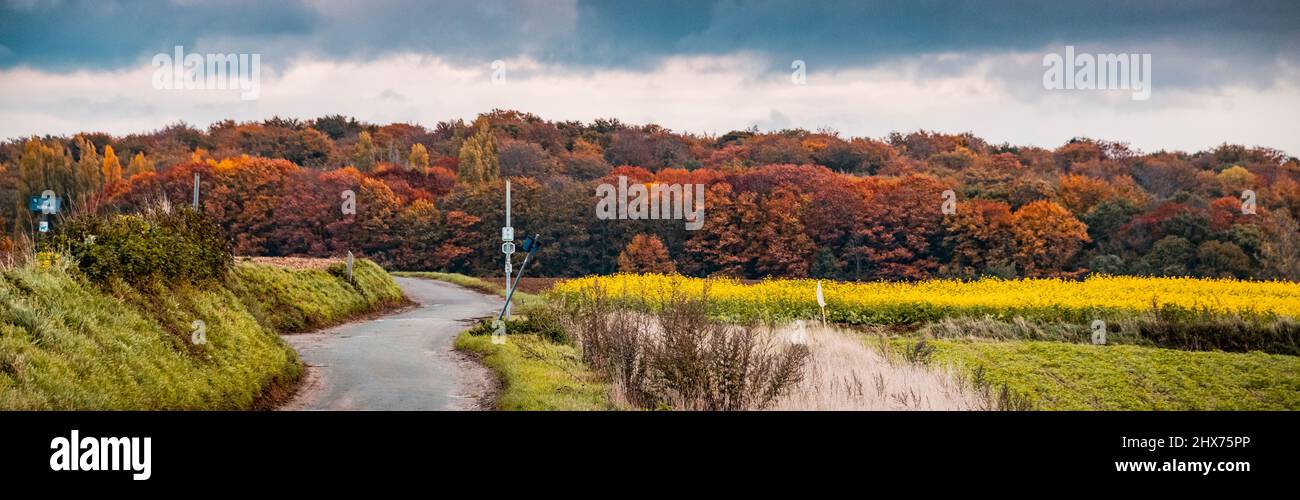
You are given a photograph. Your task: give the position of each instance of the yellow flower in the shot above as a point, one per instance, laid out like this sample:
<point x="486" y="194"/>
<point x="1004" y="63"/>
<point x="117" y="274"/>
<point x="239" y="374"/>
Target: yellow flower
<point x="892" y="302"/>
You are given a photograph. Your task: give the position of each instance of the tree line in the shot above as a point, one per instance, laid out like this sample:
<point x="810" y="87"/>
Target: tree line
<point x="790" y="203"/>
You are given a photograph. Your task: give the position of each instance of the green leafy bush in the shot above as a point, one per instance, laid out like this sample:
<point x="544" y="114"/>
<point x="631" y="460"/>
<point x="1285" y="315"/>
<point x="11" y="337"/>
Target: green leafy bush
<point x="175" y="245"/>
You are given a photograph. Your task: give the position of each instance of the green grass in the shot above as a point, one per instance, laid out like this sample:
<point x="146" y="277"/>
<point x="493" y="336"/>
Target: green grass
<point x="538" y="374"/>
<point x="294" y="300"/>
<point x="68" y="344"/>
<point x="1065" y="376"/>
<point x="477" y="284"/>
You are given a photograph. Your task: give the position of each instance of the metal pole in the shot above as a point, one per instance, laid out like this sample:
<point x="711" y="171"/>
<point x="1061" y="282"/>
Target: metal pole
<point x="506" y="313"/>
<point x="511" y="293"/>
<point x="196" y="191"/>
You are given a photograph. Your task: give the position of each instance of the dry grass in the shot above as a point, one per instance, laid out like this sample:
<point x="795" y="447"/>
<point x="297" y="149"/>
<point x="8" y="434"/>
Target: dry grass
<point x="296" y="263"/>
<point x="845" y="373"/>
<point x="678" y="358"/>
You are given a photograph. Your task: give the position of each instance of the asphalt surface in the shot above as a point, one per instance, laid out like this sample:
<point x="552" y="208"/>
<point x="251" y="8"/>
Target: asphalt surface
<point x="403" y="361"/>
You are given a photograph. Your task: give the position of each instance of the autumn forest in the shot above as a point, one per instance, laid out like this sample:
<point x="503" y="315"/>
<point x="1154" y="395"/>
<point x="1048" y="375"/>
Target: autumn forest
<point x="791" y="203"/>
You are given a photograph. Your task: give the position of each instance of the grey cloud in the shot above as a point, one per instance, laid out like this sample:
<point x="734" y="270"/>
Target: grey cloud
<point x="1196" y="43"/>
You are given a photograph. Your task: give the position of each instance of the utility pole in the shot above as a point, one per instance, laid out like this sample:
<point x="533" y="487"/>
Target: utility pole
<point x="508" y="245"/>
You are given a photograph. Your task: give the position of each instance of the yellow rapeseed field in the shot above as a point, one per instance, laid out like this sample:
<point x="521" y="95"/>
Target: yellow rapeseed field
<point x="900" y="303"/>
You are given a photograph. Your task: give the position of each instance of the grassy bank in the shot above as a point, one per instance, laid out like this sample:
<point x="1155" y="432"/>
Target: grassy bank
<point x="1066" y="376"/>
<point x="66" y="343"/>
<point x="295" y="300"/>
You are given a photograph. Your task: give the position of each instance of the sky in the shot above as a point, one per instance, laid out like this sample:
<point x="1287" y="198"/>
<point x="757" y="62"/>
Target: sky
<point x="1220" y="71"/>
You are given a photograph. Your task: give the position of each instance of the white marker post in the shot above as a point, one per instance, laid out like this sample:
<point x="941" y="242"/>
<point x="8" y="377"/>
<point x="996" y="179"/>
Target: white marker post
<point x="507" y="244"/>
<point x="196" y="191"/>
<point x="349" y="266"/>
<point x="821" y="302"/>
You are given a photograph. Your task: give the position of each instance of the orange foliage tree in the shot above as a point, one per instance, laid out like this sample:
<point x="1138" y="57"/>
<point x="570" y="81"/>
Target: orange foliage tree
<point x="645" y="254"/>
<point x="1047" y="238"/>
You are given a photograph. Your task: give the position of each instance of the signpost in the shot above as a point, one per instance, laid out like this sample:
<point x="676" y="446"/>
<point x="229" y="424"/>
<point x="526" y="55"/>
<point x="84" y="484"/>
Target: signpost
<point x="507" y="247"/>
<point x="530" y="246"/>
<point x="47" y="203"/>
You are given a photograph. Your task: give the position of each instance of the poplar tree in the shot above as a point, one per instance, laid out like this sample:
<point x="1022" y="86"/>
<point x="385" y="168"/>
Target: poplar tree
<point x="88" y="180"/>
<point x="418" y="160"/>
<point x="111" y="170"/>
<point x="138" y="165"/>
<point x="363" y="154"/>
<point x="478" y="156"/>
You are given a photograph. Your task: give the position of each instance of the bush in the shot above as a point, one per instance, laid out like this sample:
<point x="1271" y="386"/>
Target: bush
<point x="542" y="321"/>
<point x="680" y="358"/>
<point x="172" y="244"/>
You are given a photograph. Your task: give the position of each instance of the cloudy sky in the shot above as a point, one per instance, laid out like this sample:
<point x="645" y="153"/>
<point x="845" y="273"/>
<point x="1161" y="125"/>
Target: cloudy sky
<point x="1221" y="71"/>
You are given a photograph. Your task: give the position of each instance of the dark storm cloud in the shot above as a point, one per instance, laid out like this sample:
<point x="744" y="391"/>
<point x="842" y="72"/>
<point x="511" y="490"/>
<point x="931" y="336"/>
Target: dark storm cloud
<point x="67" y="35"/>
<point x="862" y="32"/>
<point x="1241" y="39"/>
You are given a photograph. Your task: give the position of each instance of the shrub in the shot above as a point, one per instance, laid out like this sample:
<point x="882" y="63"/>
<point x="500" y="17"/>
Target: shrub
<point x="680" y="358"/>
<point x="542" y="321"/>
<point x="172" y="244"/>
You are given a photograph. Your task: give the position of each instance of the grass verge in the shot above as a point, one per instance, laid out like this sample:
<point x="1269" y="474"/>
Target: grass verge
<point x="538" y="374"/>
<point x="69" y="344"/>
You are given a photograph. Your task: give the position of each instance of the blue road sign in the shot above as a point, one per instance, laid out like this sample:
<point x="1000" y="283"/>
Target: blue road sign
<point x="43" y="204"/>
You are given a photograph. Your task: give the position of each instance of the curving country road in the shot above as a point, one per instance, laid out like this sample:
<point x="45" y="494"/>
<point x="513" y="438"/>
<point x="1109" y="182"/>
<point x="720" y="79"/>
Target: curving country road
<point x="403" y="361"/>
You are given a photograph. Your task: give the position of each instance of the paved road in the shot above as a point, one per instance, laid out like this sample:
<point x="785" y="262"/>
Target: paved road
<point x="403" y="361"/>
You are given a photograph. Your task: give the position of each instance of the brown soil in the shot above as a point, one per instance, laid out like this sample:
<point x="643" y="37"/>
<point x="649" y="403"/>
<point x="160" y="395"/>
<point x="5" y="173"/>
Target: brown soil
<point x="527" y="284"/>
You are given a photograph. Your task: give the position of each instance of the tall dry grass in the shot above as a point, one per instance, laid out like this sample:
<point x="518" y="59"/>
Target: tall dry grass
<point x="846" y="373"/>
<point x="679" y="358"/>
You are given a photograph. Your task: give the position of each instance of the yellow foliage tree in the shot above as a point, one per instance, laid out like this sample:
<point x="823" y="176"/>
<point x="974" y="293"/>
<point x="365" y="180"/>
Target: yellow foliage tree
<point x="419" y="158"/>
<point x="112" y="168"/>
<point x="138" y="165"/>
<point x="478" y="156"/>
